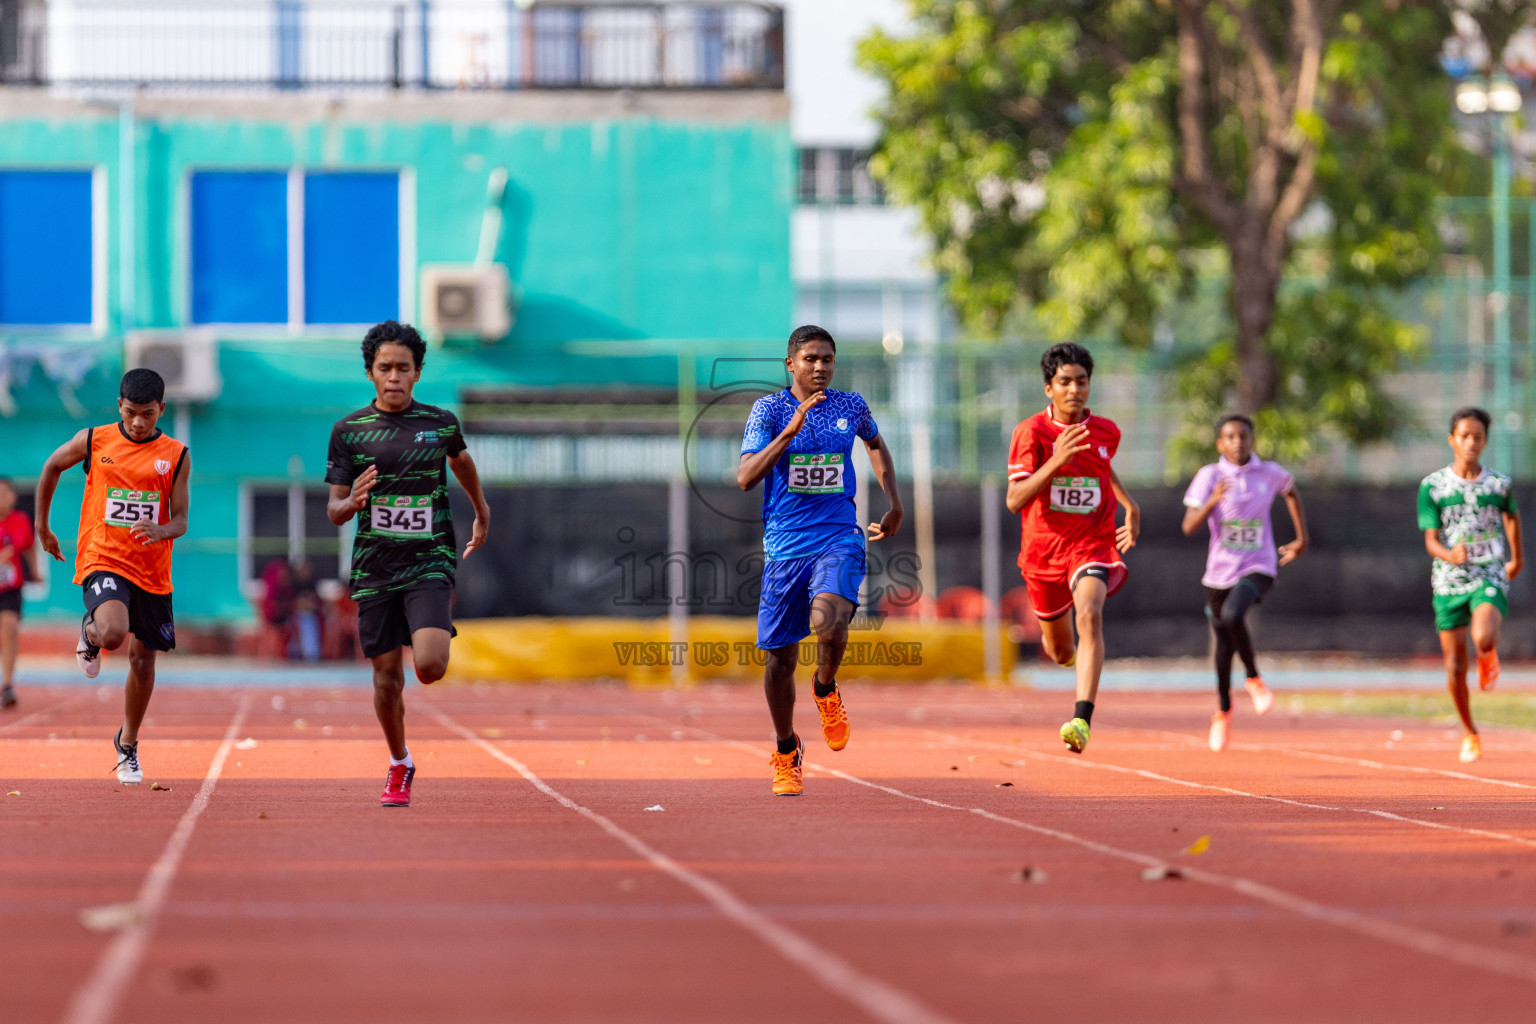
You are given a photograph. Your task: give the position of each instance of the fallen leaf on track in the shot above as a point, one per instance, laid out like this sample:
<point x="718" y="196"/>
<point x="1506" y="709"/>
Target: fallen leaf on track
<point x="1027" y="875"/>
<point x="114" y="917"/>
<point x="703" y="760"/>
<point x="263" y="814"/>
<point x="1197" y="847"/>
<point x="14" y="792"/>
<point x="1161" y="873"/>
<point x="1000" y="785"/>
<point x="246" y="744"/>
<point x="656" y="807"/>
<point x="163" y="789"/>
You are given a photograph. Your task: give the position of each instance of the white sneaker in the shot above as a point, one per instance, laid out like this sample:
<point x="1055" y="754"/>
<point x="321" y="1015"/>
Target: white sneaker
<point x="87" y="654"/>
<point x="128" y="771"/>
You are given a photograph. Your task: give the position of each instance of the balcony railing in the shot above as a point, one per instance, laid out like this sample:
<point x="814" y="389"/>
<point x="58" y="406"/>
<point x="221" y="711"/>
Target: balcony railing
<point x="390" y="44"/>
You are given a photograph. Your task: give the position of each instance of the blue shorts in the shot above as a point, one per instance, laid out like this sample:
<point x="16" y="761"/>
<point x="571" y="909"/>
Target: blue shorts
<point x="790" y="584"/>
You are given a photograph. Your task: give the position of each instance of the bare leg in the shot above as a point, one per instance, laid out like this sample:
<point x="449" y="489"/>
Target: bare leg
<point x="830" y="614"/>
<point x="1088" y="599"/>
<point x="1486" y="623"/>
<point x="429" y="651"/>
<point x="140" y="687"/>
<point x="389" y="700"/>
<point x="779" y="687"/>
<point x="10" y="628"/>
<point x="1056" y="637"/>
<point x="1453" y="643"/>
<point x="108" y="625"/>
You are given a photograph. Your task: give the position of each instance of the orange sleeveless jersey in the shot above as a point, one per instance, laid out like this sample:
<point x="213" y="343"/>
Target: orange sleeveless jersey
<point x="127" y="482"/>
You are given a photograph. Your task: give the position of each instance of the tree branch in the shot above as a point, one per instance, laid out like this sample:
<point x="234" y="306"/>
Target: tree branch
<point x="1196" y="179"/>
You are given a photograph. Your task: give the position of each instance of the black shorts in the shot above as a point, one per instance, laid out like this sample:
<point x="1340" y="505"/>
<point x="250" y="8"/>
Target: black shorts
<point x="150" y="618"/>
<point x="386" y="622"/>
<point x="1259" y="581"/>
<point x="10" y="601"/>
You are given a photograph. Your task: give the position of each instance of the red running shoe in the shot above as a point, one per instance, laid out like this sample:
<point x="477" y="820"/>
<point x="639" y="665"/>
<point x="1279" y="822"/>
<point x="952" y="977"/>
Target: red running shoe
<point x="397" y="786"/>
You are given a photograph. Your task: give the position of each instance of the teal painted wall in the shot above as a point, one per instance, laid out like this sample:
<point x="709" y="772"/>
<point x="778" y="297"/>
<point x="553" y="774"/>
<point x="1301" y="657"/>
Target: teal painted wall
<point x="617" y="231"/>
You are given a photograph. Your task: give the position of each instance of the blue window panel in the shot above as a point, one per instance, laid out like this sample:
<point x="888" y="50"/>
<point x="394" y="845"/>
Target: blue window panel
<point x="351" y="248"/>
<point x="240" y="247"/>
<point x="45" y="247"/>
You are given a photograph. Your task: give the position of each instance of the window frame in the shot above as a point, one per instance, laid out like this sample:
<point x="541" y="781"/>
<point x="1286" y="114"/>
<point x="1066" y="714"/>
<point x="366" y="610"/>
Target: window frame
<point x="296" y="326"/>
<point x="100" y="268"/>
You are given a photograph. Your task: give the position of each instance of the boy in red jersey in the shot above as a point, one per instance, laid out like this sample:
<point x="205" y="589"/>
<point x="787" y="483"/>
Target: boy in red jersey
<point x="1059" y="476"/>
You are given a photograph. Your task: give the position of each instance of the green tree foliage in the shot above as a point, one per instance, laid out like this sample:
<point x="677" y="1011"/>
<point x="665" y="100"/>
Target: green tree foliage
<point x="1084" y="157"/>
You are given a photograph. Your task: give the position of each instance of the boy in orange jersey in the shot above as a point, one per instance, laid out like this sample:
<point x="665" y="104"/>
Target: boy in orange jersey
<point x="1059" y="477"/>
<point x="135" y="506"/>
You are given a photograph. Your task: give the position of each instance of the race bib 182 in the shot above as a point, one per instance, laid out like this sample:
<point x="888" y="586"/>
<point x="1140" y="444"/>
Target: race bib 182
<point x="127" y="508"/>
<point x="1078" y="495"/>
<point x="402" y="516"/>
<point x="816" y="474"/>
<point x="1241" y="534"/>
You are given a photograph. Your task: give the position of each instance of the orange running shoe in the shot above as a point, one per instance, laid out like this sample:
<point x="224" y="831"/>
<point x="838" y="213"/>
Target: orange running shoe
<point x="1471" y="748"/>
<point x="1487" y="670"/>
<point x="1219" y="722"/>
<point x="788" y="775"/>
<point x="1263" y="699"/>
<point x="834" y="718"/>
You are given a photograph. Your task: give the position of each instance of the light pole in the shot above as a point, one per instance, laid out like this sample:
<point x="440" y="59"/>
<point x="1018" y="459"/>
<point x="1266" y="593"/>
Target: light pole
<point x="1498" y="98"/>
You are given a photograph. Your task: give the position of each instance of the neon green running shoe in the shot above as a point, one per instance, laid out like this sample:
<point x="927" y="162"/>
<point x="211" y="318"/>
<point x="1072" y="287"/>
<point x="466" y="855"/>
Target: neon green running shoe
<point x="1075" y="735"/>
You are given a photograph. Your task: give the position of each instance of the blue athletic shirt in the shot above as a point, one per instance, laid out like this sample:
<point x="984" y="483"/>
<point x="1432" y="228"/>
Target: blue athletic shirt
<point x="808" y="497"/>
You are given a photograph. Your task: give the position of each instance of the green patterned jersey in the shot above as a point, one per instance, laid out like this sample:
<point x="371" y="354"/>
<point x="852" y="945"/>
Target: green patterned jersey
<point x="1469" y="512"/>
<point x="405" y="533"/>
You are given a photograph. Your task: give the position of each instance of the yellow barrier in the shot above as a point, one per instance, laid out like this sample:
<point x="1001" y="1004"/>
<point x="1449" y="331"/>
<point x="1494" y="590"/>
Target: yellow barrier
<point x="641" y="651"/>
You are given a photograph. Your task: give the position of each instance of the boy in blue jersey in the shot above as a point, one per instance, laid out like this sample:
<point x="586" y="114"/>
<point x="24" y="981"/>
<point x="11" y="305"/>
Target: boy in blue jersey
<point x="800" y="441"/>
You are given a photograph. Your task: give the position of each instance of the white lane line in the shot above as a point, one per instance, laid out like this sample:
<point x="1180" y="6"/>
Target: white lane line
<point x="1275" y="748"/>
<point x="1075" y="762"/>
<point x="878" y="1000"/>
<point x="95" y="1001"/>
<point x="1467" y="954"/>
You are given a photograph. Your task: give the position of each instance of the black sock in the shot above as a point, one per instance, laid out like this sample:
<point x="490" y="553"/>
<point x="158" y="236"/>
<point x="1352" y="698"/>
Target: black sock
<point x="823" y="689"/>
<point x="1084" y="710"/>
<point x="788" y="746"/>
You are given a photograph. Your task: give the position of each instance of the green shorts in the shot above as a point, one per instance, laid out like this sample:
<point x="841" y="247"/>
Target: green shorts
<point x="1453" y="611"/>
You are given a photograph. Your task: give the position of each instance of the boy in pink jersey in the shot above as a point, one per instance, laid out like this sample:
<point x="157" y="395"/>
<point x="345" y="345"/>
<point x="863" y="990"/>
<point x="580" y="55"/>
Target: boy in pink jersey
<point x="1232" y="497"/>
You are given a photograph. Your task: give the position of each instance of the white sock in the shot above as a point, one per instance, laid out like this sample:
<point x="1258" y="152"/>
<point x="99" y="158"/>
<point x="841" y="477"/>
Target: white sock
<point x="406" y="760"/>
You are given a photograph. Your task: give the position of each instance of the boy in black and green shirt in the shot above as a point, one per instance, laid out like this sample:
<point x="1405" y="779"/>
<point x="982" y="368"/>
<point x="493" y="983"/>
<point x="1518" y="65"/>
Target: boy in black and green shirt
<point x="387" y="467"/>
<point x="1467" y="512"/>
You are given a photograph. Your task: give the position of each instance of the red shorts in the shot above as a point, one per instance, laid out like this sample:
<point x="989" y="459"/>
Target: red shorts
<point x="1051" y="599"/>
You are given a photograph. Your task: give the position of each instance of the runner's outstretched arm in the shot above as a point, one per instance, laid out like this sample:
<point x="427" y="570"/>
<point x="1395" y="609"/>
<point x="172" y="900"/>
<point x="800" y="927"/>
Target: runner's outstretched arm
<point x="756" y="465"/>
<point x="70" y="453"/>
<point x="1292" y="551"/>
<point x="1194" y="518"/>
<point x="181" y="499"/>
<point x="469" y="478"/>
<point x="1516" y="547"/>
<point x="1069" y="442"/>
<point x="1125" y="536"/>
<point x="885" y="471"/>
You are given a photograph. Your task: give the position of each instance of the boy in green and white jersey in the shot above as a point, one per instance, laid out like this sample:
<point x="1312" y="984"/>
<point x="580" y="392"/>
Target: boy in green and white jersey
<point x="1467" y="512"/>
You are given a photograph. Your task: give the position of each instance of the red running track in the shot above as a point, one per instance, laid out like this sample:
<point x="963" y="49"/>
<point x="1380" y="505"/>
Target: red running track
<point x="1350" y="876"/>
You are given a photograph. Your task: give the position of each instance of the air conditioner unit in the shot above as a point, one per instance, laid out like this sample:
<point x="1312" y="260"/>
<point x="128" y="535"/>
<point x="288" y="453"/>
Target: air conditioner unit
<point x="187" y="359"/>
<point x="466" y="300"/>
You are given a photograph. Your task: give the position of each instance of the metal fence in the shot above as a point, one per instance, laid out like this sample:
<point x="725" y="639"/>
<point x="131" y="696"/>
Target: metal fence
<point x="377" y="44"/>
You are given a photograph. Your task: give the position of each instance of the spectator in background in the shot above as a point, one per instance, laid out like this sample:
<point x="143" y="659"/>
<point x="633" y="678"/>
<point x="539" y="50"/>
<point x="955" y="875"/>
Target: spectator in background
<point x="18" y="564"/>
<point x="304" y="644"/>
<point x="277" y="602"/>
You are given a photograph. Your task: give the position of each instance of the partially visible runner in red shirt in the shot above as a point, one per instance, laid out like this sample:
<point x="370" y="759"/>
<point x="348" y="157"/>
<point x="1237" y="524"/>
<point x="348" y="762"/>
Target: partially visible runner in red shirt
<point x="18" y="564"/>
<point x="1060" y="478"/>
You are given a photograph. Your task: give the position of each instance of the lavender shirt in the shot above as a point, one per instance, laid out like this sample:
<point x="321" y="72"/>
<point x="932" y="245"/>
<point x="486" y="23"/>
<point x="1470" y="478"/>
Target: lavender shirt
<point x="1242" y="540"/>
